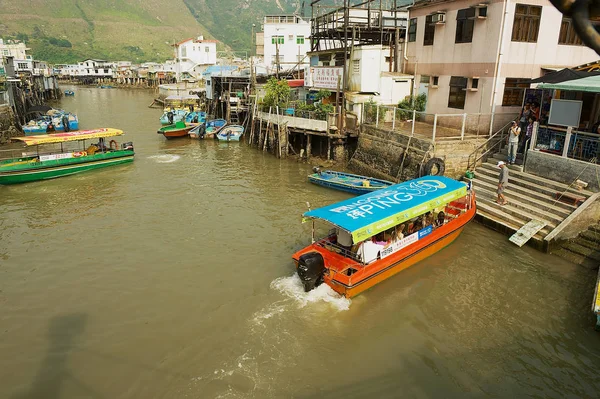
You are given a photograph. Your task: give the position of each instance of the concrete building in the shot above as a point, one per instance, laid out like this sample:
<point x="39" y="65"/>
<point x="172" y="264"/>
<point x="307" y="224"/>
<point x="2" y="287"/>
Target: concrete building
<point x="97" y="68"/>
<point x="18" y="50"/>
<point x="286" y="36"/>
<point x="475" y="57"/>
<point x="193" y="56"/>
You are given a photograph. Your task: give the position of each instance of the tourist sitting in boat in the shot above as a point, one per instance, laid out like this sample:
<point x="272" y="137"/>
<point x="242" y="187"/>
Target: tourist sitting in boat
<point x="400" y="231"/>
<point x="101" y="145"/>
<point x="369" y="250"/>
<point x="441" y="218"/>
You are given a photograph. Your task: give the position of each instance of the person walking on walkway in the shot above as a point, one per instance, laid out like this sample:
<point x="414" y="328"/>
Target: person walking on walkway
<point x="502" y="183"/>
<point x="513" y="142"/>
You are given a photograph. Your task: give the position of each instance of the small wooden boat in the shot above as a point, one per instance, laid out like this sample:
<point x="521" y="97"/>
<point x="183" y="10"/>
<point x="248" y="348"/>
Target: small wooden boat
<point x="176" y="130"/>
<point x="230" y="133"/>
<point x="378" y="234"/>
<point x="49" y="162"/>
<point x="172" y="116"/>
<point x="69" y="93"/>
<point x="213" y="127"/>
<point x="355" y="184"/>
<point x="54" y="121"/>
<point x="198" y="131"/>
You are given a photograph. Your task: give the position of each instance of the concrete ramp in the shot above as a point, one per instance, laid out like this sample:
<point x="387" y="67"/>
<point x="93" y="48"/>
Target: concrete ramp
<point x="525" y="233"/>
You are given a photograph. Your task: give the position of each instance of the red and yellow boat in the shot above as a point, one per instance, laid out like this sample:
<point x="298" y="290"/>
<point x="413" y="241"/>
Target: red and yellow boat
<point x="376" y="235"/>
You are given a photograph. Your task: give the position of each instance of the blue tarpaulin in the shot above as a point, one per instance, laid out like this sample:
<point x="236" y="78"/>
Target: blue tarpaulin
<point x="369" y="214"/>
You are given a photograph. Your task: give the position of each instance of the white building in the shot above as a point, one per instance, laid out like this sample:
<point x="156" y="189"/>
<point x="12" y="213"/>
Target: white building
<point x="17" y="50"/>
<point x="193" y="56"/>
<point x="288" y="36"/>
<point x="476" y="57"/>
<point x="97" y="68"/>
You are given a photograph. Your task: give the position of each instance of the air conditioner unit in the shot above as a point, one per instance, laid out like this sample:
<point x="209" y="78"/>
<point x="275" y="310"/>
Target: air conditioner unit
<point x="438" y="18"/>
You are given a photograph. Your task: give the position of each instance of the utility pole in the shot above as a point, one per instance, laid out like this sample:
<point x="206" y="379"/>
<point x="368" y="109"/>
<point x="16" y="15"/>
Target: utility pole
<point x="277" y="56"/>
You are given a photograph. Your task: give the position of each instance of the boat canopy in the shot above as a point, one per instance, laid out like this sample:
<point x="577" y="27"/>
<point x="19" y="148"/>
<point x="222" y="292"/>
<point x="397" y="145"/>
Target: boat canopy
<point x="369" y="214"/>
<point x="69" y="136"/>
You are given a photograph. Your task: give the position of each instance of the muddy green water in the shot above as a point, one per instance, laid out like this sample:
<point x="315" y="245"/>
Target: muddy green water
<point x="171" y="278"/>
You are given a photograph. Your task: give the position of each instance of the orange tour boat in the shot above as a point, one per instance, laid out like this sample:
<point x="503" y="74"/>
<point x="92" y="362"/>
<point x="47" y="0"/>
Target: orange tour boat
<point x="376" y="235"/>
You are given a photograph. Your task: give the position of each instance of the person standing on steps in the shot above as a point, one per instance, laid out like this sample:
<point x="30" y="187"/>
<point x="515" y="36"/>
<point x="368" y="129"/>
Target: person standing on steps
<point x="502" y="183"/>
<point x="513" y="142"/>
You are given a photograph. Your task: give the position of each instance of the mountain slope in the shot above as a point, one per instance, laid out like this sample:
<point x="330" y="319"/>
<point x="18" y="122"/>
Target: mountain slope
<point x="71" y="30"/>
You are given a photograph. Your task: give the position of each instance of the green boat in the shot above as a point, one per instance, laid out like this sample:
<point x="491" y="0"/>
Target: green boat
<point x="49" y="163"/>
<point x="176" y="130"/>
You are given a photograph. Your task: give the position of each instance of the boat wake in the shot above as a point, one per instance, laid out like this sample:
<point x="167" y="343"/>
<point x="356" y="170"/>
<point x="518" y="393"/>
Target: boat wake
<point x="271" y="341"/>
<point x="165" y="158"/>
<point x="292" y="287"/>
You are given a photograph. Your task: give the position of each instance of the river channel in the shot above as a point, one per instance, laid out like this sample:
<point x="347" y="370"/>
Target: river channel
<point x="171" y="278"/>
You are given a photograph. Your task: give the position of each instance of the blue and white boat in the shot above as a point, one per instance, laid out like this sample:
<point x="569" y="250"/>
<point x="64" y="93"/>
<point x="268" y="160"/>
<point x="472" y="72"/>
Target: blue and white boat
<point x="230" y="133"/>
<point x="355" y="184"/>
<point x="55" y="122"/>
<point x="69" y="93"/>
<point x="195" y="117"/>
<point x="173" y="116"/>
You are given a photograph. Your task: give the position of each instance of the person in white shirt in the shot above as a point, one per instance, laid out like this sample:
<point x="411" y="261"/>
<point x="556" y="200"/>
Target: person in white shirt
<point x="513" y="142"/>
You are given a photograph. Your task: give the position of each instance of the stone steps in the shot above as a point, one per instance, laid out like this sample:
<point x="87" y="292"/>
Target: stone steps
<point x="517" y="182"/>
<point x="519" y="210"/>
<point x="550" y="185"/>
<point x="503" y="222"/>
<point x="576" y="258"/>
<point x="522" y="201"/>
<point x="583" y="250"/>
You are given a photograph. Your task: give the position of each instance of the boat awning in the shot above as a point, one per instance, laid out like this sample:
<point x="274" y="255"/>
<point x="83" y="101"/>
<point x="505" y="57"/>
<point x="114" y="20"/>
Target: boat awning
<point x="590" y="84"/>
<point x="372" y="213"/>
<point x="68" y="136"/>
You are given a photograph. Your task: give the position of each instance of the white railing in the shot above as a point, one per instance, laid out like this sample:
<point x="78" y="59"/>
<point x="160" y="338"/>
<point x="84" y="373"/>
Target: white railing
<point x="433" y="126"/>
<point x="567" y="143"/>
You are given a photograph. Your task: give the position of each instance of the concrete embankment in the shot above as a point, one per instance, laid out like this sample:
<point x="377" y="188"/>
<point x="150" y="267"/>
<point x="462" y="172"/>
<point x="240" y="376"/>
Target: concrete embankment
<point x="8" y="126"/>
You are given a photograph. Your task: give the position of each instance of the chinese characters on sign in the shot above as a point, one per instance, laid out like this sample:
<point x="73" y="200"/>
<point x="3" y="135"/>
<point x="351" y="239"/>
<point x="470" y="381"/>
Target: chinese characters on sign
<point x="326" y="77"/>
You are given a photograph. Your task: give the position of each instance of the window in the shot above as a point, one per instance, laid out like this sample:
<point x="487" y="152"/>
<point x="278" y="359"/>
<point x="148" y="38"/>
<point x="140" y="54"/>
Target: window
<point x="464" y="25"/>
<point x="299" y="39"/>
<point x="22" y="65"/>
<point x="567" y="33"/>
<point x="429" y="31"/>
<point x="106" y="71"/>
<point x="514" y="90"/>
<point x="475" y="83"/>
<point x="207" y="49"/>
<point x="356" y="66"/>
<point x="425" y="79"/>
<point x="412" y="30"/>
<point x="277" y="40"/>
<point x="6" y="52"/>
<point x="527" y="23"/>
<point x="458" y="93"/>
<point x="184" y="52"/>
<point x="436" y="80"/>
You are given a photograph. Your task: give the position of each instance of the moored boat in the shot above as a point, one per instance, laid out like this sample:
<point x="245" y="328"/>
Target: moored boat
<point x="69" y="93"/>
<point x="378" y="234"/>
<point x="49" y="162"/>
<point x="172" y="116"/>
<point x="54" y="121"/>
<point x="230" y="133"/>
<point x="213" y="126"/>
<point x="176" y="130"/>
<point x="348" y="182"/>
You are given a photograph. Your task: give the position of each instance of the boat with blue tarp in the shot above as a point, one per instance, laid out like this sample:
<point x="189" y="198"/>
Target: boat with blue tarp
<point x="376" y="235"/>
<point x="355" y="184"/>
<point x="55" y="120"/>
<point x="230" y="133"/>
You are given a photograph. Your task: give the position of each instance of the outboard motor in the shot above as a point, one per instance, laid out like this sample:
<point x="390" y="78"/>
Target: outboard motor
<point x="170" y="117"/>
<point x="127" y="146"/>
<point x="317" y="170"/>
<point x="311" y="268"/>
<point x="65" y="122"/>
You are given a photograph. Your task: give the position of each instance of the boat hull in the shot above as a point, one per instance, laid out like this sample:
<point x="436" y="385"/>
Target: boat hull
<point x="172" y="132"/>
<point x="382" y="269"/>
<point x="64" y="167"/>
<point x="348" y="182"/>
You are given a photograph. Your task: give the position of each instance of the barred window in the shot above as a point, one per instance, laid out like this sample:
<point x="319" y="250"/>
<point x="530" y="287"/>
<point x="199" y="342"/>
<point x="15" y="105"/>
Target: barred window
<point x="458" y="92"/>
<point x="429" y="31"/>
<point x="412" y="30"/>
<point x="464" y="25"/>
<point x="526" y="25"/>
<point x="514" y="91"/>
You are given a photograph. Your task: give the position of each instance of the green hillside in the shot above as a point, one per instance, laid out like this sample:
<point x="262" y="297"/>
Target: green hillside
<point x="72" y="30"/>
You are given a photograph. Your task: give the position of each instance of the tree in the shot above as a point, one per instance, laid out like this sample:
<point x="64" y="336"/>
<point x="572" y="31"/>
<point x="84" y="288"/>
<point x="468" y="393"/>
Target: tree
<point x="277" y="93"/>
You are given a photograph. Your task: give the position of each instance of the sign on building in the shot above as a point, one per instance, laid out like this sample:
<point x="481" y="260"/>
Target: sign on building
<point x="324" y="77"/>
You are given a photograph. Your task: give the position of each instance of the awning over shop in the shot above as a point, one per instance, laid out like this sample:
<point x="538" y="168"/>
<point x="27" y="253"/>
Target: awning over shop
<point x="563" y="75"/>
<point x="590" y="84"/>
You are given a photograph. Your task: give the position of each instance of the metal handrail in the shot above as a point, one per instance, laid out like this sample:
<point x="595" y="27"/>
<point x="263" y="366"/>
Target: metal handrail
<point x="499" y="139"/>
